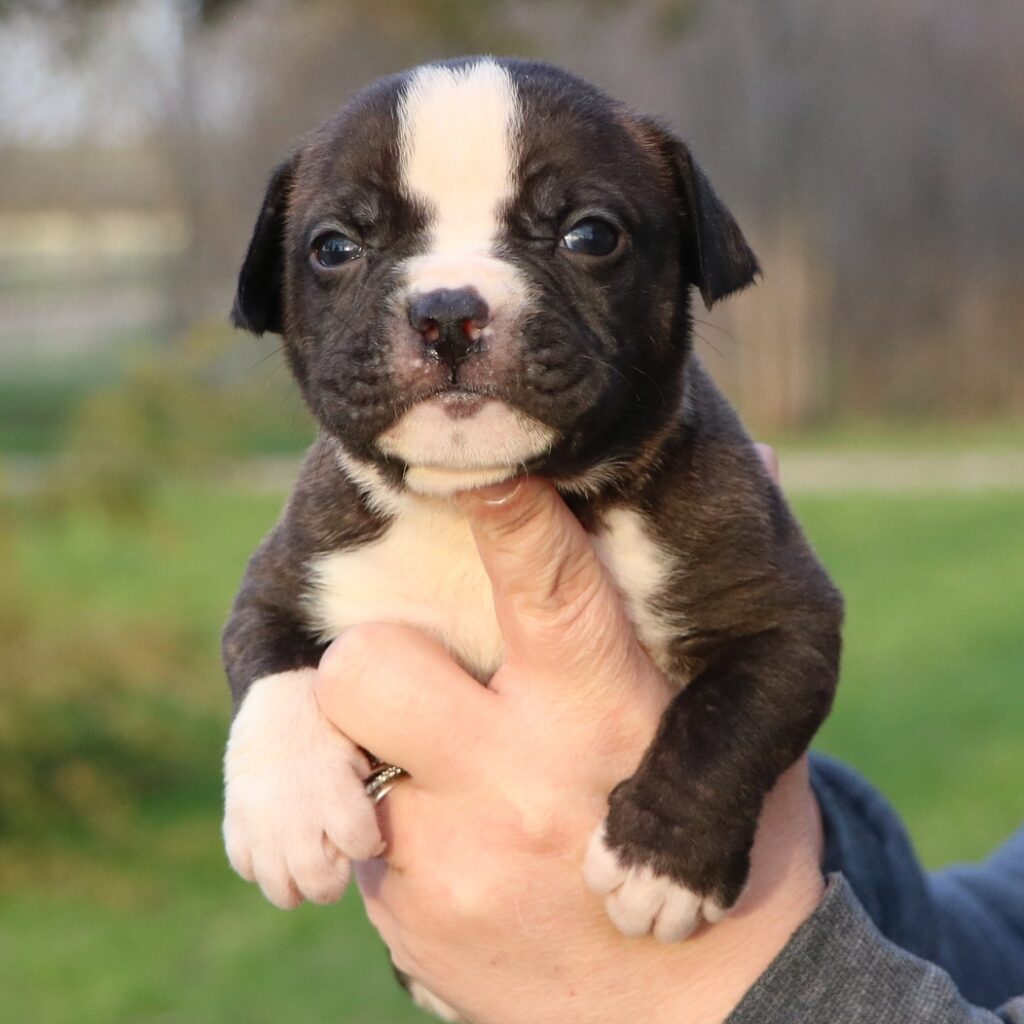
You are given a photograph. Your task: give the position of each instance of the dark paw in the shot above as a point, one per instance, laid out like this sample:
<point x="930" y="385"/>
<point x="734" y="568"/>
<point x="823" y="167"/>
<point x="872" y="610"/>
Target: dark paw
<point x="661" y="877"/>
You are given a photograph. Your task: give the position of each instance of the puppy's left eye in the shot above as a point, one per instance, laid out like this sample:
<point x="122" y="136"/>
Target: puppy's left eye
<point x="332" y="249"/>
<point x="592" y="237"/>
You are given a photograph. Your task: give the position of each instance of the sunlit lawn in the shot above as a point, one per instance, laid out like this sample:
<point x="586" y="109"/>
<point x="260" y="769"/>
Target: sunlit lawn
<point x="116" y="904"/>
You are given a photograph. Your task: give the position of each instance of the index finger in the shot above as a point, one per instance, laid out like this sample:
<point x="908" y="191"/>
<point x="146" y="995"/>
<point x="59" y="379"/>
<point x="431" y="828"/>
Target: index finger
<point x="400" y="695"/>
<point x="559" y="612"/>
<point x="770" y="459"/>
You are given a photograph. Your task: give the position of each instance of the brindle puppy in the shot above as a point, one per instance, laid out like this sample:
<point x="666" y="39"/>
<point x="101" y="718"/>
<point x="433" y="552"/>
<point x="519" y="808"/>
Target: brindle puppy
<point x="482" y="269"/>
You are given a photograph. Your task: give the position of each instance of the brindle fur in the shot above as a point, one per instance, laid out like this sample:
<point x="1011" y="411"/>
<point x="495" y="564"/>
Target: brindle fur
<point x="758" y="648"/>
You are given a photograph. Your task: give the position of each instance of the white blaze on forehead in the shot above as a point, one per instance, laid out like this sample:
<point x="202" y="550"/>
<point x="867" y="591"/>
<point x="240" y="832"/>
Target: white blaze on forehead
<point x="458" y="132"/>
<point x="458" y="139"/>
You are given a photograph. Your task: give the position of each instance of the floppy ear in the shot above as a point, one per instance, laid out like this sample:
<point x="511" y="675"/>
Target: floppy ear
<point x="259" y="301"/>
<point x="722" y="261"/>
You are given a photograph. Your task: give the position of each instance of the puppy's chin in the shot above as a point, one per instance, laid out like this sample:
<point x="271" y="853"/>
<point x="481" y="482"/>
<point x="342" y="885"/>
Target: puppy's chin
<point x="456" y="442"/>
<point x="436" y="481"/>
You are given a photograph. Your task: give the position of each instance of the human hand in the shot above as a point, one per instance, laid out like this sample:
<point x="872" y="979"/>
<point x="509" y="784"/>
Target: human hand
<point x="480" y="896"/>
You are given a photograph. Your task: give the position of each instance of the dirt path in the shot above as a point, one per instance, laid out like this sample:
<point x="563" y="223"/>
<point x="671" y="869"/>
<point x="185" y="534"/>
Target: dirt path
<point x="903" y="471"/>
<point x="820" y="472"/>
<point x="808" y="471"/>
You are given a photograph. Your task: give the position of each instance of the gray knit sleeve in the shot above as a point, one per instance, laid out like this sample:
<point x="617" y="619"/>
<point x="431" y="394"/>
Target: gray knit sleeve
<point x="837" y="969"/>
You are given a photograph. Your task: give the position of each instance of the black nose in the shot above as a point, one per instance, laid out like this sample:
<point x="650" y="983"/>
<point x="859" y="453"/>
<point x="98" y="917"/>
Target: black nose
<point x="449" y="319"/>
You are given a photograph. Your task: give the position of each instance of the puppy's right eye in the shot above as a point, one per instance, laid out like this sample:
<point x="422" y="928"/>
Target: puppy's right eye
<point x="592" y="236"/>
<point x="332" y="249"/>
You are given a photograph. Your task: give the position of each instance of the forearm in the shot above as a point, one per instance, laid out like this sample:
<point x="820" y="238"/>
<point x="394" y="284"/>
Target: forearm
<point x="838" y="968"/>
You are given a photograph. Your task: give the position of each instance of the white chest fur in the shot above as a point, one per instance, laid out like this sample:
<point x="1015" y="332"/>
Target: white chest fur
<point x="424" y="571"/>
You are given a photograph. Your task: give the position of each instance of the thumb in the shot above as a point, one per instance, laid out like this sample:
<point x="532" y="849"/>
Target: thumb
<point x="560" y="614"/>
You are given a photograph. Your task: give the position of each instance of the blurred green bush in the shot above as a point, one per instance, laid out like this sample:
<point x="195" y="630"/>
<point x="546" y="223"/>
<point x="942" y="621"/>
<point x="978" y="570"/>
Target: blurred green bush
<point x="187" y="408"/>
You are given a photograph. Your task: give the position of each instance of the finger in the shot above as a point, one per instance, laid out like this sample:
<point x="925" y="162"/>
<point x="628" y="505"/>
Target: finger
<point x="399" y="694"/>
<point x="558" y="611"/>
<point x="770" y="459"/>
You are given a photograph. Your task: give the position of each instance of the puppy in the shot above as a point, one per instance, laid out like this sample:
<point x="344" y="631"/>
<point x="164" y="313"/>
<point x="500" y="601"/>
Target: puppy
<point x="482" y="269"/>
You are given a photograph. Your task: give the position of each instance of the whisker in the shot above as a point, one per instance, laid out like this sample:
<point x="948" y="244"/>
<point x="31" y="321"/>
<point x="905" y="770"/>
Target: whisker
<point x="716" y="327"/>
<point x="700" y="337"/>
<point x="278" y="351"/>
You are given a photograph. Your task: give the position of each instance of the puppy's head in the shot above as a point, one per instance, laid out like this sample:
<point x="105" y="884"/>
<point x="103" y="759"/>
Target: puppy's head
<point x="481" y="268"/>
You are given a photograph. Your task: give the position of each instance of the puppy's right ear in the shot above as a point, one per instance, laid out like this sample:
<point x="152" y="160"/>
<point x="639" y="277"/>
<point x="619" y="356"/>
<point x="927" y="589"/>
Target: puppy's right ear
<point x="259" y="301"/>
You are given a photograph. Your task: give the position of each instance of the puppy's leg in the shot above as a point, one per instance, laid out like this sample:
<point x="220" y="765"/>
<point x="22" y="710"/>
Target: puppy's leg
<point x="296" y="811"/>
<point x="675" y="846"/>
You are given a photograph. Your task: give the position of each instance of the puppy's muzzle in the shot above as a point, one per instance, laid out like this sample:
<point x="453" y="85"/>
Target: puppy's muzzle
<point x="449" y="320"/>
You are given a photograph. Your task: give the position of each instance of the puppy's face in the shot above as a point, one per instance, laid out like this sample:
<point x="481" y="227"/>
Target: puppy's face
<point x="481" y="268"/>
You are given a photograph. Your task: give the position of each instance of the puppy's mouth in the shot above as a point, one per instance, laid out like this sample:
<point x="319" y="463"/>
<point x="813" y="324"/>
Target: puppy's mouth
<point x="458" y="439"/>
<point x="459" y="403"/>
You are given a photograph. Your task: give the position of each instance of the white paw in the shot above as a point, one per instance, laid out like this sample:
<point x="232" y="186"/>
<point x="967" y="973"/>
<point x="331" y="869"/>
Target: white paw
<point x="295" y="810"/>
<point x="426" y="1000"/>
<point x="639" y="901"/>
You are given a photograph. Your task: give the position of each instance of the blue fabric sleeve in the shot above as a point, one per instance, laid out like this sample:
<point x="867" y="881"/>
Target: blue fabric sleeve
<point x="967" y="919"/>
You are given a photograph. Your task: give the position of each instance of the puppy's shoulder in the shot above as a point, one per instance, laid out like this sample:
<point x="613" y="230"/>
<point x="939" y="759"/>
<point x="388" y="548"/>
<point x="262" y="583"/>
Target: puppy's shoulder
<point x="334" y="506"/>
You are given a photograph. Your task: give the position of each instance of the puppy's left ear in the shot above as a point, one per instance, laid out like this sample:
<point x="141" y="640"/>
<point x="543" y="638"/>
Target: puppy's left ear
<point x="721" y="262"/>
<point x="259" y="301"/>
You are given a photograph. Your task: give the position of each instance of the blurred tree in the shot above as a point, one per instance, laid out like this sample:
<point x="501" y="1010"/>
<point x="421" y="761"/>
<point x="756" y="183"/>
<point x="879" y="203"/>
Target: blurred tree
<point x="871" y="150"/>
<point x="202" y="10"/>
<point x="347" y="45"/>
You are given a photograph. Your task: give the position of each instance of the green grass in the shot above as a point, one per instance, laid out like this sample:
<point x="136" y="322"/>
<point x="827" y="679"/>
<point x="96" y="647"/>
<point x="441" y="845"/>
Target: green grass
<point x="119" y="905"/>
<point x="910" y="436"/>
<point x="931" y="705"/>
<point x="116" y="904"/>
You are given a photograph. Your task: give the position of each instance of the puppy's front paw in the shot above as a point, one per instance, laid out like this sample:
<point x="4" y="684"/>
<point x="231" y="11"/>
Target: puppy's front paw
<point x="663" y="874"/>
<point x="639" y="899"/>
<point x="296" y="811"/>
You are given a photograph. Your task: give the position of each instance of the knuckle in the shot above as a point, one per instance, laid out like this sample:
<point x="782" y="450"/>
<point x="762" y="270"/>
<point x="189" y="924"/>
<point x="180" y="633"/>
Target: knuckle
<point x="576" y="632"/>
<point x="535" y="827"/>
<point x="545" y="831"/>
<point x="360" y="655"/>
<point x="363" y="643"/>
<point x="449" y="903"/>
<point x="476" y="898"/>
<point x="347" y="656"/>
<point x="559" y="605"/>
